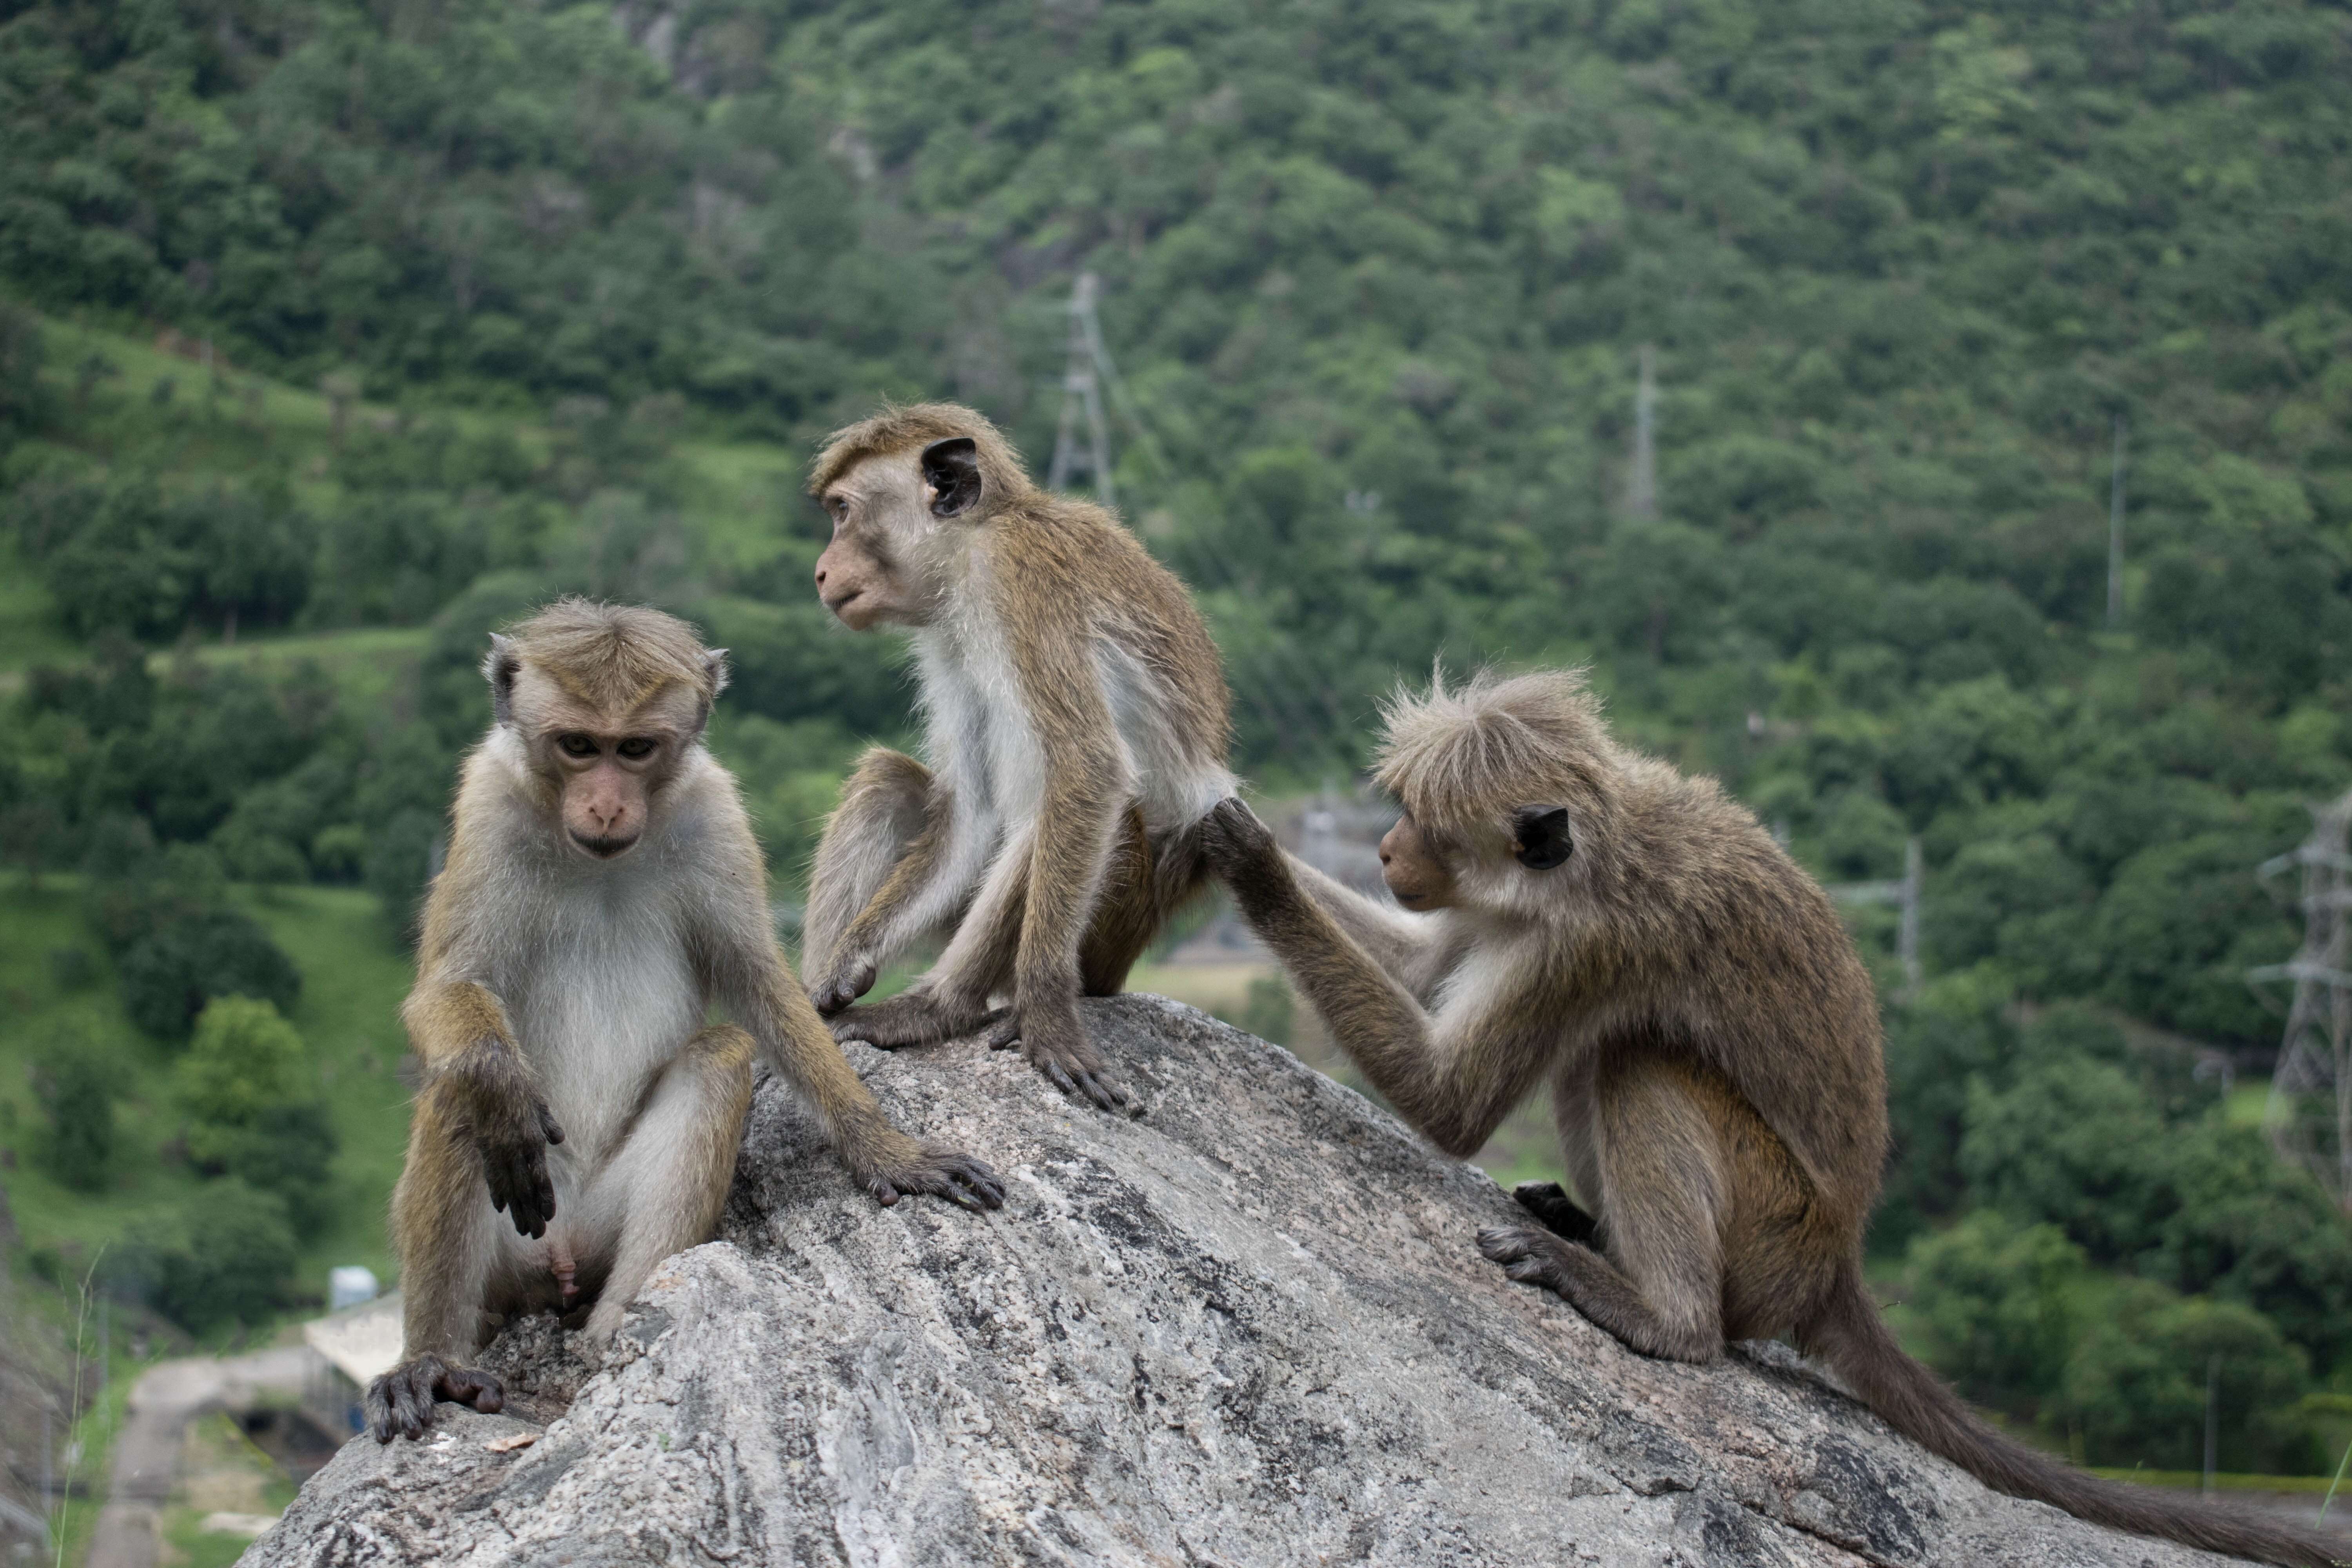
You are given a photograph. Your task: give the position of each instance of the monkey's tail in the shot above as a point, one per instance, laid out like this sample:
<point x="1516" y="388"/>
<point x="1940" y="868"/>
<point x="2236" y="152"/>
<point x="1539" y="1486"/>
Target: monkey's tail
<point x="1852" y="1337"/>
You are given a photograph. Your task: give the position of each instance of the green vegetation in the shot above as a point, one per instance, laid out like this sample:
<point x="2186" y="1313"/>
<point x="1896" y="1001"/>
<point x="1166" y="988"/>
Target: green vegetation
<point x="344" y="334"/>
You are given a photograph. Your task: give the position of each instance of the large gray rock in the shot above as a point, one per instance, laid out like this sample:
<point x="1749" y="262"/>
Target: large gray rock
<point x="1250" y="1328"/>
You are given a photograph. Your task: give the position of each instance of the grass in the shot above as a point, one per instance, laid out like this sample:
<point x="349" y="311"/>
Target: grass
<point x="353" y="979"/>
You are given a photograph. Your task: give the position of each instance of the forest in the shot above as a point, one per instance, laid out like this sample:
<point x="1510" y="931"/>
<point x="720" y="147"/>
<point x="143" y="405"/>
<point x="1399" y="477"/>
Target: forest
<point x="334" y="334"/>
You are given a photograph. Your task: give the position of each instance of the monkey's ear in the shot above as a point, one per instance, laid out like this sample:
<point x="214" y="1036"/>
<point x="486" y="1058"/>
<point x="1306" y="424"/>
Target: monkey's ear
<point x="1543" y="836"/>
<point x="714" y="669"/>
<point x="951" y="467"/>
<point x="499" y="669"/>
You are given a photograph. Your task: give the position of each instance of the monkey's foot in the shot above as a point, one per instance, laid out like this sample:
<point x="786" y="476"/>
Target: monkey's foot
<point x="1561" y="1214"/>
<point x="909" y="1018"/>
<point x="1589" y="1283"/>
<point x="1059" y="1050"/>
<point x="402" y="1399"/>
<point x="850" y="978"/>
<point x="942" y="1171"/>
<point x="1233" y="838"/>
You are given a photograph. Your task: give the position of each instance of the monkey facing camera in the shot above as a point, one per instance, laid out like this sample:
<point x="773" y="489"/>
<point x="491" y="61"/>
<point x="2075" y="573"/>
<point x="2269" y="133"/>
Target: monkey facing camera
<point x="603" y="893"/>
<point x="1572" y="914"/>
<point x="1076" y="726"/>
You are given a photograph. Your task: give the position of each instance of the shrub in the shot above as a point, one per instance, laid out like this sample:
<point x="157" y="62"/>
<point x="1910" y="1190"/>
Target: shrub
<point x="191" y="958"/>
<point x="248" y="1089"/>
<point x="221" y="1257"/>
<point x="71" y="1085"/>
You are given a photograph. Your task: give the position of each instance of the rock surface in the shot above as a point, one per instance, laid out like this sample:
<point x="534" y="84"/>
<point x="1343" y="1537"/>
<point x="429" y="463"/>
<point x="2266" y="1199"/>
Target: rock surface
<point x="1250" y="1328"/>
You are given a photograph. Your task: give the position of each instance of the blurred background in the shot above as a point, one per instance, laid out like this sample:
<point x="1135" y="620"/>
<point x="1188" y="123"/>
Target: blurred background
<point x="1930" y="419"/>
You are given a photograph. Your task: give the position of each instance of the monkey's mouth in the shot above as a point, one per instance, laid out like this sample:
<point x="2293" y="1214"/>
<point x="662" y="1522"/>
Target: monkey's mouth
<point x="605" y="848"/>
<point x="839" y="606"/>
<point x="1411" y="898"/>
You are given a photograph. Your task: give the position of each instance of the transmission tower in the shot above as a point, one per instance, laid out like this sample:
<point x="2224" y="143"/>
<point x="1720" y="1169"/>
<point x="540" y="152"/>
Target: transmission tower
<point x="2309" y="1117"/>
<point x="1082" y="399"/>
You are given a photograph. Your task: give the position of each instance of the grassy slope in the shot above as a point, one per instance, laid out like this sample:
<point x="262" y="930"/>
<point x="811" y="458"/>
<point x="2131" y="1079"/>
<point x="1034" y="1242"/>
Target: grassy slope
<point x="352" y="979"/>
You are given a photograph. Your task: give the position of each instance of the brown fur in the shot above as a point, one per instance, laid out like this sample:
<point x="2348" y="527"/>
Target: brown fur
<point x="1710" y="1037"/>
<point x="558" y="1015"/>
<point x="1052" y="862"/>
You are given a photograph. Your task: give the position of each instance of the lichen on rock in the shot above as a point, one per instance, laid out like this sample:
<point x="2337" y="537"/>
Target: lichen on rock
<point x="1249" y="1327"/>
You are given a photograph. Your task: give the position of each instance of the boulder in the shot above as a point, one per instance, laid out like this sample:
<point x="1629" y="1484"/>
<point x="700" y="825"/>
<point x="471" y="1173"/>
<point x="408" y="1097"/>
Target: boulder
<point x="1249" y="1327"/>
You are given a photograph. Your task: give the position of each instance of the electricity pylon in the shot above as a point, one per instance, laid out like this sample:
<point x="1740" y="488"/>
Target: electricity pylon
<point x="1082" y="399"/>
<point x="2309" y="1117"/>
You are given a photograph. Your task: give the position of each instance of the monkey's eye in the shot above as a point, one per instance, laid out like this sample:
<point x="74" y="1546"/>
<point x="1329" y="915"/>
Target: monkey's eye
<point x="637" y="748"/>
<point x="577" y="745"/>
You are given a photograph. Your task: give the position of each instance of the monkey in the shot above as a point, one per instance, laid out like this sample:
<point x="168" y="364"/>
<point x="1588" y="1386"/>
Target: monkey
<point x="1076" y="724"/>
<point x="1574" y="913"/>
<point x="602" y="891"/>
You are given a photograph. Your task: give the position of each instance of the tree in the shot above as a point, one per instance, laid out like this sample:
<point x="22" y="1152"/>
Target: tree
<point x="221" y="1257"/>
<point x="2136" y="1384"/>
<point x="75" y="1091"/>
<point x="1998" y="1301"/>
<point x="249" y="1091"/>
<point x="2073" y="1142"/>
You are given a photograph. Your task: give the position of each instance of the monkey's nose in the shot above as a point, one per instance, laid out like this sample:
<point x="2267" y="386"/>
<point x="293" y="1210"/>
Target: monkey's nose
<point x="820" y="577"/>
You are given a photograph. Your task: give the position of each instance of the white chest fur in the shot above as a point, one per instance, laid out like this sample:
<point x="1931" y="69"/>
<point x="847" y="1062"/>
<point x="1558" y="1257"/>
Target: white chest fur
<point x="601" y="994"/>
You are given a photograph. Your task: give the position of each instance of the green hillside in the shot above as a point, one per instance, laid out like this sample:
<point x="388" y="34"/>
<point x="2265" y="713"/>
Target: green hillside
<point x="342" y="333"/>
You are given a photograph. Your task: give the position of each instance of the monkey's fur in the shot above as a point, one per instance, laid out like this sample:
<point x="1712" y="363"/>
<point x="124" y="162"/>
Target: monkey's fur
<point x="1075" y="718"/>
<point x="1635" y="939"/>
<point x="602" y="891"/>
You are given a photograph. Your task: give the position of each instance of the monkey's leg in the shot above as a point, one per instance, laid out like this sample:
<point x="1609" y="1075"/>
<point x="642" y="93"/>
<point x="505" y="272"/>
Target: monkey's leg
<point x="883" y="850"/>
<point x="662" y="1192"/>
<point x="1571" y="1109"/>
<point x="1139" y="891"/>
<point x="953" y="999"/>
<point x="1660" y="1288"/>
<point x="447" y="1234"/>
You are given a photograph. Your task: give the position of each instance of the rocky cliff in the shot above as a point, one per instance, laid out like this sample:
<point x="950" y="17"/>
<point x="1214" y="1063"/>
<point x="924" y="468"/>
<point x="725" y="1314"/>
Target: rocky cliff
<point x="1249" y="1328"/>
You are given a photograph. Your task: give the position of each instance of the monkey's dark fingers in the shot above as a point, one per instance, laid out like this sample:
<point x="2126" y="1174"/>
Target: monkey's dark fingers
<point x="1506" y="1243"/>
<point x="548" y="1128"/>
<point x="466" y="1386"/>
<point x="402" y="1398"/>
<point x="1003" y="1030"/>
<point x="959" y="1178"/>
<point x="1560" y="1214"/>
<point x="882" y="1190"/>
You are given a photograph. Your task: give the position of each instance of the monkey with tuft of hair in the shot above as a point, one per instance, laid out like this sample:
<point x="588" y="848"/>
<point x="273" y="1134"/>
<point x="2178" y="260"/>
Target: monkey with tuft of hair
<point x="1075" y="721"/>
<point x="603" y="893"/>
<point x="1579" y="915"/>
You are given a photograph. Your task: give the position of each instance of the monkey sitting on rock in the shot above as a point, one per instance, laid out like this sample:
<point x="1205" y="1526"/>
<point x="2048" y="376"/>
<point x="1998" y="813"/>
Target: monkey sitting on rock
<point x="1579" y="915"/>
<point x="1076" y="722"/>
<point x="603" y="893"/>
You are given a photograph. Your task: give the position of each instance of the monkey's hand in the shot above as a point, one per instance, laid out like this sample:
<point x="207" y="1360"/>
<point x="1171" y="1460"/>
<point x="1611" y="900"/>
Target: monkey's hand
<point x="511" y="1129"/>
<point x="913" y="1017"/>
<point x="1055" y="1044"/>
<point x="853" y="977"/>
<point x="907" y="1166"/>
<point x="1234" y="841"/>
<point x="402" y="1399"/>
<point x="1560" y="1214"/>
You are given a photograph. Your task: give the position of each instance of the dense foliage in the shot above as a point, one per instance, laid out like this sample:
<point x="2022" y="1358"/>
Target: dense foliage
<point x="1377" y="272"/>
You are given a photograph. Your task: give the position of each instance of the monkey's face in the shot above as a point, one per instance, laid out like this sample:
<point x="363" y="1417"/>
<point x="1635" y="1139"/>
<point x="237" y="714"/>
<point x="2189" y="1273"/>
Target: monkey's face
<point x="896" y="521"/>
<point x="606" y="768"/>
<point x="1416" y="872"/>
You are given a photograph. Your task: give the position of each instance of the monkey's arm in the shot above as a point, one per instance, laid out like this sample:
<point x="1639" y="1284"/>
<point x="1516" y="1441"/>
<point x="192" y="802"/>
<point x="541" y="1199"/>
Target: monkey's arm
<point x="477" y="1121"/>
<point x="1409" y="947"/>
<point x="477" y="1086"/>
<point x="749" y="975"/>
<point x="1086" y="788"/>
<point x="878" y="872"/>
<point x="1453" y="1077"/>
